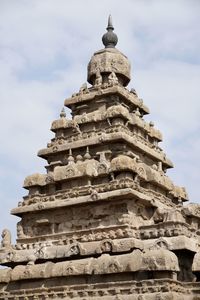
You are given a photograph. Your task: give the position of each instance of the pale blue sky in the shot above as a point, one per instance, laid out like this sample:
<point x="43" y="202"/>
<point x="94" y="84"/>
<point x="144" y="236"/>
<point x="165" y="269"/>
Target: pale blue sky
<point x="44" y="50"/>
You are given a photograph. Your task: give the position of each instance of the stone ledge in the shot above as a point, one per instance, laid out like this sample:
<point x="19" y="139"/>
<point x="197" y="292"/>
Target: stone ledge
<point x="123" y="92"/>
<point x="107" y="138"/>
<point x="105" y="196"/>
<point x="150" y="260"/>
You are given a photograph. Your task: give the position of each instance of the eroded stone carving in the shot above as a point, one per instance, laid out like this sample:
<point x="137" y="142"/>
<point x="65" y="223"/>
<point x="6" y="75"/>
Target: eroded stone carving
<point x="6" y="239"/>
<point x="98" y="80"/>
<point x="112" y="79"/>
<point x="84" y="89"/>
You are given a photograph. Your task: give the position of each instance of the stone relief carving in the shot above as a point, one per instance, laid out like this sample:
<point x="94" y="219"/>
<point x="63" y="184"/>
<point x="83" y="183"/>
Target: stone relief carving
<point x="106" y="246"/>
<point x="20" y="232"/>
<point x="98" y="80"/>
<point x="160" y="243"/>
<point x="112" y="79"/>
<point x="174" y="214"/>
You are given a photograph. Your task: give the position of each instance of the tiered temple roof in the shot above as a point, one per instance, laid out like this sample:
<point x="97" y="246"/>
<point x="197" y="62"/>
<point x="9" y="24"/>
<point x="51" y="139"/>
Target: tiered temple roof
<point x="104" y="221"/>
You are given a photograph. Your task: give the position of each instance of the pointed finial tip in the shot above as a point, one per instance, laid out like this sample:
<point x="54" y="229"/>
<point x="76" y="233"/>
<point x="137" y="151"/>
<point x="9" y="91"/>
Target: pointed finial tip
<point x="110" y="39"/>
<point x="110" y="24"/>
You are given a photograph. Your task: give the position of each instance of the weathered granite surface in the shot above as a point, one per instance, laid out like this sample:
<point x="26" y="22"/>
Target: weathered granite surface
<point x="105" y="221"/>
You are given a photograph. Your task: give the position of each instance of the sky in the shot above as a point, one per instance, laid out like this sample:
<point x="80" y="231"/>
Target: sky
<point x="45" y="47"/>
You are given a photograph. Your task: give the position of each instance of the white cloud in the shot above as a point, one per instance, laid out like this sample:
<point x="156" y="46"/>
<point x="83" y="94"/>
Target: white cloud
<point x="44" y="50"/>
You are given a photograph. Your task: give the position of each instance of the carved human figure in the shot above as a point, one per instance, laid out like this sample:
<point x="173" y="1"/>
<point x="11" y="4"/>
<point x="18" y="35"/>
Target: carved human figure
<point x="112" y="79"/>
<point x="6" y="239"/>
<point x="98" y="80"/>
<point x="20" y="232"/>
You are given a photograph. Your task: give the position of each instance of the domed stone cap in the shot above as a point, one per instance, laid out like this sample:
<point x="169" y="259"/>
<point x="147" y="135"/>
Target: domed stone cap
<point x="109" y="60"/>
<point x="35" y="180"/>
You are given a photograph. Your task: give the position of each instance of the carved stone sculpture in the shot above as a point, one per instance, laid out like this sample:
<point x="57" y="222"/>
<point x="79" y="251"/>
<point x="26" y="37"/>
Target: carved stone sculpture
<point x="84" y="89"/>
<point x="112" y="79"/>
<point x="98" y="80"/>
<point x="6" y="239"/>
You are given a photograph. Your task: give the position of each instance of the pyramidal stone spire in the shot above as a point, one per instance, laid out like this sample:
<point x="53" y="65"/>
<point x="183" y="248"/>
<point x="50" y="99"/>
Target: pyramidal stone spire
<point x="104" y="221"/>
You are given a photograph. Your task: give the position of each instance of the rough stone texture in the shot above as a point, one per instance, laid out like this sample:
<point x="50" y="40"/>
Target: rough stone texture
<point x="105" y="221"/>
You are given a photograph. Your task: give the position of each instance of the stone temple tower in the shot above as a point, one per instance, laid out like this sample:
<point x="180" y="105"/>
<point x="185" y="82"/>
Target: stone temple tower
<point x="104" y="221"/>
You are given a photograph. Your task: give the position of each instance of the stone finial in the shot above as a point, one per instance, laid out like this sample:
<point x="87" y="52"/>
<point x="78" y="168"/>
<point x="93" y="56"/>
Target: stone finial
<point x="6" y="238"/>
<point x="79" y="158"/>
<point x="70" y="157"/>
<point x="87" y="154"/>
<point x="110" y="39"/>
<point x="133" y="91"/>
<point x="63" y="113"/>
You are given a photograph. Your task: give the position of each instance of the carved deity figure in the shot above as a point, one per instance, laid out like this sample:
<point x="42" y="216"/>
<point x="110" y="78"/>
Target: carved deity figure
<point x="20" y="232"/>
<point x="6" y="239"/>
<point x="112" y="79"/>
<point x="98" y="80"/>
